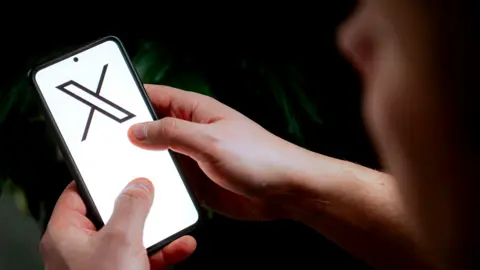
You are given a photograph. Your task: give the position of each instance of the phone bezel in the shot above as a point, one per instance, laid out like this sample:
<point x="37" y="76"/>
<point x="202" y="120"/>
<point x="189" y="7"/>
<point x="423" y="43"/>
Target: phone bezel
<point x="93" y="213"/>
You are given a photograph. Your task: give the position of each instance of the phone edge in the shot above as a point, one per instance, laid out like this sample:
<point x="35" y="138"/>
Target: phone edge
<point x="92" y="210"/>
<point x="156" y="247"/>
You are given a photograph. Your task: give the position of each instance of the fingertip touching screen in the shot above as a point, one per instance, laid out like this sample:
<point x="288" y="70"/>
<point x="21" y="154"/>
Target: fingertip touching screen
<point x="94" y="99"/>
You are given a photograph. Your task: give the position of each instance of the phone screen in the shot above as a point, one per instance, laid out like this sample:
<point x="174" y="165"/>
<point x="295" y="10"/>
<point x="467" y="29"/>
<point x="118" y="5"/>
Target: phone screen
<point x="93" y="99"/>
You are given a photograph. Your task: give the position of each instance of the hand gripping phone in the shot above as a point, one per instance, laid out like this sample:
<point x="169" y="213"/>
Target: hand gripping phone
<point x="92" y="96"/>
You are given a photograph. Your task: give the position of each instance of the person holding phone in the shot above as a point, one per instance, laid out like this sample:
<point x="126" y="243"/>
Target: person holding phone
<point x="416" y="215"/>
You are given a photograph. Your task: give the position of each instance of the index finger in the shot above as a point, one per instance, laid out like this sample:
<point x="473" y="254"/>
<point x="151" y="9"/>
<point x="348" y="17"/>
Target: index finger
<point x="71" y="200"/>
<point x="70" y="210"/>
<point x="173" y="253"/>
<point x="186" y="105"/>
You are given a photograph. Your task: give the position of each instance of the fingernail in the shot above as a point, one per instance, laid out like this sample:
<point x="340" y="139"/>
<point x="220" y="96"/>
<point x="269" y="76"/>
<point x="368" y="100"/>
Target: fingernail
<point x="141" y="183"/>
<point x="139" y="131"/>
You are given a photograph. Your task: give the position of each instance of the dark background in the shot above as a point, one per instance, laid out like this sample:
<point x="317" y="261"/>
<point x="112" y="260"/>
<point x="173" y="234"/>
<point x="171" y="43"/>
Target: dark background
<point x="280" y="68"/>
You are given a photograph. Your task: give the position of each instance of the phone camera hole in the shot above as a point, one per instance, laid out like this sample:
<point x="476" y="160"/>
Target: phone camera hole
<point x="75" y="59"/>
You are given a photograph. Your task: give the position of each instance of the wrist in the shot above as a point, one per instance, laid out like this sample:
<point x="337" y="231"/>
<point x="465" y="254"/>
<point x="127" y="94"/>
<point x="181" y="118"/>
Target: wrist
<point x="317" y="186"/>
<point x="306" y="181"/>
<point x="356" y="207"/>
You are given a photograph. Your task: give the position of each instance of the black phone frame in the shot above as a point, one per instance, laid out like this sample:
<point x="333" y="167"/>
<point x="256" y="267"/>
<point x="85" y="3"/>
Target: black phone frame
<point x="93" y="213"/>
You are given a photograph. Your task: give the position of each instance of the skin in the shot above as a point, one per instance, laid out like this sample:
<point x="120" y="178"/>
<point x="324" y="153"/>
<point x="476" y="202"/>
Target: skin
<point x="356" y="207"/>
<point x="72" y="242"/>
<point x="413" y="59"/>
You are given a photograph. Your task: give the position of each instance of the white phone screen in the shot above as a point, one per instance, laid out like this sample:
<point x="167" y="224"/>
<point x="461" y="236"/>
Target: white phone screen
<point x="94" y="99"/>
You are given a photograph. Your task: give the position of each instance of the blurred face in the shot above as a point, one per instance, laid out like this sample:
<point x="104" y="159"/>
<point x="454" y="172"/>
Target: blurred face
<point x="401" y="49"/>
<point x="414" y="62"/>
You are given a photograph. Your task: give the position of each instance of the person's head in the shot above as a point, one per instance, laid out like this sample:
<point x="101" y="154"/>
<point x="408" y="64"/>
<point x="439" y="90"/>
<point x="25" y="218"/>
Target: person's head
<point x="415" y="58"/>
<point x="412" y="56"/>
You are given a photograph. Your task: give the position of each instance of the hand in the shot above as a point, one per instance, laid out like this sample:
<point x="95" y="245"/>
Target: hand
<point x="247" y="164"/>
<point x="72" y="242"/>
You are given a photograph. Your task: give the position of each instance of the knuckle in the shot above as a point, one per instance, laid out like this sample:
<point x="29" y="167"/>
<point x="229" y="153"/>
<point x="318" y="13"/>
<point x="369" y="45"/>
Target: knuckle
<point x="135" y="196"/>
<point x="202" y="99"/>
<point x="168" y="127"/>
<point x="209" y="99"/>
<point x="196" y="95"/>
<point x="44" y="244"/>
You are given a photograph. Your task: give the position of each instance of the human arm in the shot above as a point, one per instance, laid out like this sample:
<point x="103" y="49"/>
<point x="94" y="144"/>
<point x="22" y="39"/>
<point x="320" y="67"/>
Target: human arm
<point x="420" y="101"/>
<point x="359" y="209"/>
<point x="258" y="176"/>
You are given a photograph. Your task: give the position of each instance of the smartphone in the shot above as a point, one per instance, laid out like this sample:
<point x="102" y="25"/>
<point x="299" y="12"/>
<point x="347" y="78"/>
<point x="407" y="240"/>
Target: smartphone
<point x="92" y="96"/>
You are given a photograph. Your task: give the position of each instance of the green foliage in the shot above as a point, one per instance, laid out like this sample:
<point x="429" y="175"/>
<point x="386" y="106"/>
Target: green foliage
<point x="156" y="64"/>
<point x="296" y="82"/>
<point x="152" y="62"/>
<point x="279" y="92"/>
<point x="18" y="195"/>
<point x="17" y="99"/>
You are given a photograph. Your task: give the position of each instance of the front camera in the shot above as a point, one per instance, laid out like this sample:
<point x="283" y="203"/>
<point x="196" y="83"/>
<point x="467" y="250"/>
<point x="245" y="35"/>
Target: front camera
<point x="75" y="59"/>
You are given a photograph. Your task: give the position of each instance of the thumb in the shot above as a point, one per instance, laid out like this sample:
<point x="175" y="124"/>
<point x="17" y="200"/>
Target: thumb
<point x="182" y="136"/>
<point x="131" y="210"/>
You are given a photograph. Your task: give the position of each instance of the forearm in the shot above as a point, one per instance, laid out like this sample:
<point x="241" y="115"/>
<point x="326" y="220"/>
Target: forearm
<point x="358" y="208"/>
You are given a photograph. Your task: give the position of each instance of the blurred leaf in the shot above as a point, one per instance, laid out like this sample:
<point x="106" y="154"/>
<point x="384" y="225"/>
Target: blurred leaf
<point x="19" y="98"/>
<point x="21" y="201"/>
<point x="18" y="195"/>
<point x="280" y="94"/>
<point x="154" y="65"/>
<point x="42" y="220"/>
<point x="296" y="82"/>
<point x="20" y="236"/>
<point x="191" y="82"/>
<point x="38" y="118"/>
<point x="2" y="183"/>
<point x="152" y="62"/>
<point x="7" y="100"/>
<point x="309" y="106"/>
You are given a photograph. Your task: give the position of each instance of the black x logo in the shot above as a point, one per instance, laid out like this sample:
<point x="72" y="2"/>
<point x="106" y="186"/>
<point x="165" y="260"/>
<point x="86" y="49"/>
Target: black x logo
<point x="95" y="101"/>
